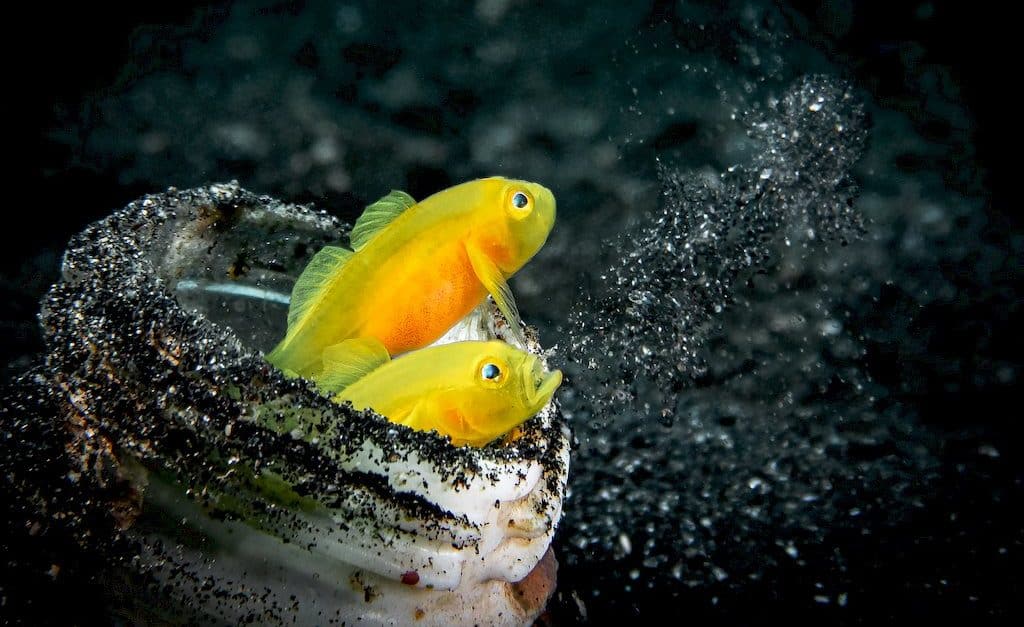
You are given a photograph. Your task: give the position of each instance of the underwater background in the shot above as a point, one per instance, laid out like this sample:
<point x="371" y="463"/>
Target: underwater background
<point x="784" y="282"/>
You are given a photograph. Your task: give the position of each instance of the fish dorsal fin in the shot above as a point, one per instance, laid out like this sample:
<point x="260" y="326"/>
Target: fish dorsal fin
<point x="378" y="215"/>
<point x="349" y="361"/>
<point x="321" y="267"/>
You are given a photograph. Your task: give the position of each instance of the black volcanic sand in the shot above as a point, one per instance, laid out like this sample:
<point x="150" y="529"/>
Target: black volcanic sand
<point x="790" y="345"/>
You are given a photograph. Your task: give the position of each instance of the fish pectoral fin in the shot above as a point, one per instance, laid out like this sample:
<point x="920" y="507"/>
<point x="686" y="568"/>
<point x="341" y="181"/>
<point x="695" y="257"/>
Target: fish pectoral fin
<point x="317" y="273"/>
<point x="377" y="216"/>
<point x="494" y="282"/>
<point x="454" y="423"/>
<point x="349" y="361"/>
<point x="429" y="415"/>
<point x="424" y="416"/>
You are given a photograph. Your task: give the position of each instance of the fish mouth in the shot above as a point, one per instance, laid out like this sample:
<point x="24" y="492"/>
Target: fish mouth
<point x="540" y="386"/>
<point x="545" y="198"/>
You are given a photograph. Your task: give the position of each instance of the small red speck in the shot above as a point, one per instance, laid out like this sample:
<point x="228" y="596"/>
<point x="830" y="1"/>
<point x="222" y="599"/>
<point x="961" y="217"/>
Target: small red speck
<point x="410" y="578"/>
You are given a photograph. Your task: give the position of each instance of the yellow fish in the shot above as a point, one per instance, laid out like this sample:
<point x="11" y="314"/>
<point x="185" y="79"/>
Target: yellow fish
<point x="471" y="391"/>
<point x="417" y="268"/>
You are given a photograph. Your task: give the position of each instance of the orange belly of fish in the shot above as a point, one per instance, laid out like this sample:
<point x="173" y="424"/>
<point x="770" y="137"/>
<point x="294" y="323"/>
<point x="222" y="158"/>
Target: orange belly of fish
<point x="404" y="323"/>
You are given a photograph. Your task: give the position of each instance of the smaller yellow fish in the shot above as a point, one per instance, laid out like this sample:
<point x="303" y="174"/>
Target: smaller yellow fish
<point x="471" y="391"/>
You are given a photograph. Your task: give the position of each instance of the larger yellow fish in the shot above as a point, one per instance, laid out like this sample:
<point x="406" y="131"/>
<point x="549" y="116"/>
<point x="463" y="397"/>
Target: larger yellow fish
<point x="416" y="269"/>
<point x="471" y="391"/>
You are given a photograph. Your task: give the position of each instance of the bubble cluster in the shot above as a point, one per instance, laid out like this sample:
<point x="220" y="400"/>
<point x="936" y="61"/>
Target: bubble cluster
<point x="642" y="328"/>
<point x="731" y="445"/>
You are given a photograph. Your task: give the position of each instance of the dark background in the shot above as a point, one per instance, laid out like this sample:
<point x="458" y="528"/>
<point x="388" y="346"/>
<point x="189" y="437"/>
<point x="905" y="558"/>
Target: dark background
<point x="111" y="105"/>
<point x="72" y="59"/>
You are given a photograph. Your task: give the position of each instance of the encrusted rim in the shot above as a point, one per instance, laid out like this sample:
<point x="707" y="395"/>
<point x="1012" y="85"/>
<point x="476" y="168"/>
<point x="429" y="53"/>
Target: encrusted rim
<point x="178" y="392"/>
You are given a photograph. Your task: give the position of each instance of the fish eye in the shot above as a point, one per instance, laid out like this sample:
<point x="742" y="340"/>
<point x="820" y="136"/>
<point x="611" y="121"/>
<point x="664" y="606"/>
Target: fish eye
<point x="520" y="200"/>
<point x="491" y="372"/>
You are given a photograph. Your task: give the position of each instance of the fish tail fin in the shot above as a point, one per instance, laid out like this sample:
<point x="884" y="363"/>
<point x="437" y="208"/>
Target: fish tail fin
<point x="285" y="358"/>
<point x="292" y="352"/>
<point x="349" y="361"/>
<point x="276" y="357"/>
